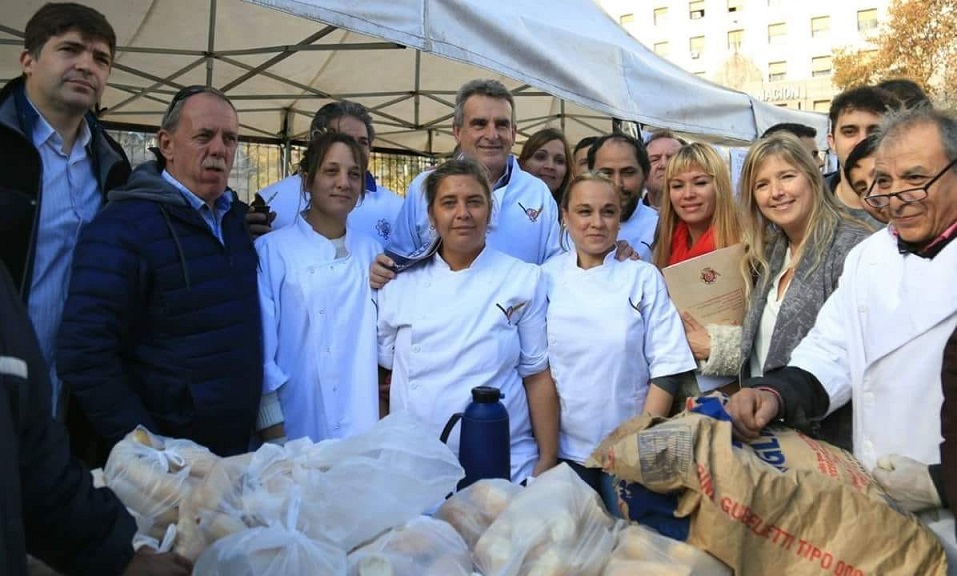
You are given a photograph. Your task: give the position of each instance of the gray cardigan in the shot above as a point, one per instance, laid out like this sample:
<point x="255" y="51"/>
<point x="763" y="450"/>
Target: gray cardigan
<point x="808" y="291"/>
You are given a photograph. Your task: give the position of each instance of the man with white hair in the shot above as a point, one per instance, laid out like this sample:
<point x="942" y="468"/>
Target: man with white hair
<point x="162" y="326"/>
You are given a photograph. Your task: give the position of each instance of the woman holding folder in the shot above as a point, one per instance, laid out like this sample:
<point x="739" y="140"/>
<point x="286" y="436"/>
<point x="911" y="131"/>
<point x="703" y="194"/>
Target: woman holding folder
<point x="699" y="216"/>
<point x="615" y="340"/>
<point x="797" y="237"/>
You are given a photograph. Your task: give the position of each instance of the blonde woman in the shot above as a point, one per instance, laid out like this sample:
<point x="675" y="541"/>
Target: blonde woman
<point x="797" y="237"/>
<point x="698" y="216"/>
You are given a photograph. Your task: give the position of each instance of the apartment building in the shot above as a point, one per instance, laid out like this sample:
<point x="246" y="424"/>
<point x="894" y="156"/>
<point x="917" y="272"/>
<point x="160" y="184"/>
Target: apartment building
<point x="777" y="50"/>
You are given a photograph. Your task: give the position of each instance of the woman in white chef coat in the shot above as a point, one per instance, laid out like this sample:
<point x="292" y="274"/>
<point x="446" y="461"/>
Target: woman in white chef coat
<point x="615" y="340"/>
<point x="470" y="316"/>
<point x="319" y="313"/>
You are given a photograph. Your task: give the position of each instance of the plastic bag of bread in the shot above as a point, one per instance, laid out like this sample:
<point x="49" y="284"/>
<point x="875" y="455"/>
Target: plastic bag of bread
<point x="557" y="526"/>
<point x="422" y="547"/>
<point x="352" y="490"/>
<point x="214" y="508"/>
<point x="643" y="551"/>
<point x="150" y="474"/>
<point x="275" y="550"/>
<point x="357" y="488"/>
<point x="473" y="510"/>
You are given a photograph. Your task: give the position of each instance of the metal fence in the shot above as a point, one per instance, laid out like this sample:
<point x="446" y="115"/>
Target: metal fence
<point x="259" y="165"/>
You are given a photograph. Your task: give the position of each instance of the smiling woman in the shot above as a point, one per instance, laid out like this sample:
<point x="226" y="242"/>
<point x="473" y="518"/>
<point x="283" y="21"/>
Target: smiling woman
<point x="470" y="316"/>
<point x="546" y="155"/>
<point x="609" y="364"/>
<point x="797" y="237"/>
<point x="313" y="288"/>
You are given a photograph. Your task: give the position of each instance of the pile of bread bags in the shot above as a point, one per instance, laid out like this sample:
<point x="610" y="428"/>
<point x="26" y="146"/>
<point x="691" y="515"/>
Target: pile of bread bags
<point x="355" y="508"/>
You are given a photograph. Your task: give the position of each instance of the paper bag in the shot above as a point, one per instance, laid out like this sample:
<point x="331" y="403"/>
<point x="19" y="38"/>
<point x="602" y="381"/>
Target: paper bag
<point x="785" y="504"/>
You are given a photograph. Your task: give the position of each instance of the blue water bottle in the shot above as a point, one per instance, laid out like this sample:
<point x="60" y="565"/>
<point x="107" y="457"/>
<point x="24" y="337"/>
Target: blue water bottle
<point x="485" y="442"/>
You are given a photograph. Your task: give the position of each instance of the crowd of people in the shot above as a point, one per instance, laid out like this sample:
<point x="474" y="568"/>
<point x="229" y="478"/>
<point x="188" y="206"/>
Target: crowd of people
<point x="153" y="296"/>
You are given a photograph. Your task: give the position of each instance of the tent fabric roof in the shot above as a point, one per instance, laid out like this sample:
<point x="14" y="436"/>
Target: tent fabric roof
<point x="569" y="66"/>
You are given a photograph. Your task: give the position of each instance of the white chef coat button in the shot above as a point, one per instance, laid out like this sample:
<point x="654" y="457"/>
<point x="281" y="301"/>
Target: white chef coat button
<point x="328" y="350"/>
<point x="322" y="311"/>
<point x="312" y="269"/>
<point x="428" y="283"/>
<point x="413" y="385"/>
<point x="416" y="349"/>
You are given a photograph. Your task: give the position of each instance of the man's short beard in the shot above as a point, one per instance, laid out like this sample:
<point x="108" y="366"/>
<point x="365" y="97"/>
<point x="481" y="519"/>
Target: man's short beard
<point x="629" y="207"/>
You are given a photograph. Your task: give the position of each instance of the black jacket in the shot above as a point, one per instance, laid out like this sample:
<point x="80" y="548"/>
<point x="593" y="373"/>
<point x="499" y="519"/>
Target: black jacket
<point x="48" y="506"/>
<point x="21" y="179"/>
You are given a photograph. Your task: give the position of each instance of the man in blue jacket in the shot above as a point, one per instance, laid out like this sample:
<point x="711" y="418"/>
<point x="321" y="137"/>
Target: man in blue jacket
<point x="162" y="325"/>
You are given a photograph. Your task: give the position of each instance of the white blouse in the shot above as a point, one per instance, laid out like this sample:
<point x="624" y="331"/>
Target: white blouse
<point x="769" y="319"/>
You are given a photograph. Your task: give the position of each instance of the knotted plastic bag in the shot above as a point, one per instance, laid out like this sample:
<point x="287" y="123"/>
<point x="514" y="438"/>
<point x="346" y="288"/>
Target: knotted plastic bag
<point x="150" y="474"/>
<point x="640" y="550"/>
<point x="275" y="550"/>
<point x="352" y="490"/>
<point x="422" y="547"/>
<point x="475" y="508"/>
<point x="554" y="527"/>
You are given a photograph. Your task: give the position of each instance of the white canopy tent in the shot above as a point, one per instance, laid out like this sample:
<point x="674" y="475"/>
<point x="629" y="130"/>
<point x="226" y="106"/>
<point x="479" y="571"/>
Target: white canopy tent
<point x="568" y="64"/>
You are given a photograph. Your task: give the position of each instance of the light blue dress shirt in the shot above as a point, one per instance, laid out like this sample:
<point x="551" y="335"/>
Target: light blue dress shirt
<point x="71" y="198"/>
<point x="214" y="218"/>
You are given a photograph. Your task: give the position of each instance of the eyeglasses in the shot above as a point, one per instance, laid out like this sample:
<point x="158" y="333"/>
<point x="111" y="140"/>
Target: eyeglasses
<point x="188" y="92"/>
<point x="906" y="196"/>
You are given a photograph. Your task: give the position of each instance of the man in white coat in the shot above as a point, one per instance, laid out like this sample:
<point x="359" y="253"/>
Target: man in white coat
<point x="375" y="214"/>
<point x="879" y="339"/>
<point x="524" y="222"/>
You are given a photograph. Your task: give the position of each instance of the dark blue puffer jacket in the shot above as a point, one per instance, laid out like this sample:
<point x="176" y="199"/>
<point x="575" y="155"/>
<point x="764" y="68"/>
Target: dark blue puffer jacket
<point x="162" y="324"/>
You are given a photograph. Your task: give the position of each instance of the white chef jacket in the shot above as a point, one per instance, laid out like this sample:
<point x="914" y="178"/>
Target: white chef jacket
<point x="319" y="331"/>
<point x="611" y="329"/>
<point x="639" y="230"/>
<point x="879" y="341"/>
<point x="524" y="222"/>
<point x="373" y="216"/>
<point x="443" y="333"/>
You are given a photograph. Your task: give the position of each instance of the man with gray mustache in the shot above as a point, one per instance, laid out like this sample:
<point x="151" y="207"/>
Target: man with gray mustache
<point x="162" y="327"/>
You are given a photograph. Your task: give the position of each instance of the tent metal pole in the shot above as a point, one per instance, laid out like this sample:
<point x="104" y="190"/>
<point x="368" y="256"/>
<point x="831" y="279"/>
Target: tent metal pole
<point x="210" y="45"/>
<point x="562" y="117"/>
<point x="157" y="81"/>
<point x="284" y="145"/>
<point x="418" y="76"/>
<point x="291" y="50"/>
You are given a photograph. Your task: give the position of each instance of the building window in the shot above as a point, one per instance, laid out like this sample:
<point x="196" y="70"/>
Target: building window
<point x="626" y="19"/>
<point x="734" y="40"/>
<point x="696" y="9"/>
<point x="820" y="66"/>
<point x="820" y="26"/>
<point x="822" y="106"/>
<point x="660" y="15"/>
<point x="777" y="71"/>
<point x="866" y="20"/>
<point x="735" y="5"/>
<point x="661" y="48"/>
<point x="696" y="45"/>
<point x="776" y="33"/>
